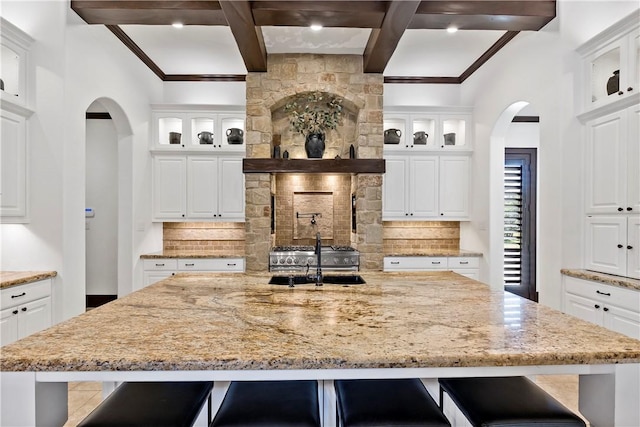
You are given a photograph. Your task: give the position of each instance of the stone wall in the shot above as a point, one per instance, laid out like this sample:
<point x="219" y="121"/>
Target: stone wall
<point x="336" y="75"/>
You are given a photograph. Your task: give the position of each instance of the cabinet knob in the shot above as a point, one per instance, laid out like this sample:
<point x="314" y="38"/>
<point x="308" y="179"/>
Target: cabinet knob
<point x="441" y="213"/>
<point x="597" y="306"/>
<point x="605" y="309"/>
<point x="621" y="93"/>
<point x="24" y="309"/>
<point x="14" y="312"/>
<point x="406" y="214"/>
<point x="182" y="215"/>
<point x="620" y="209"/>
<point x="629" y="208"/>
<point x="620" y="246"/>
<point x="629" y="89"/>
<point x="629" y="247"/>
<point x="411" y="214"/>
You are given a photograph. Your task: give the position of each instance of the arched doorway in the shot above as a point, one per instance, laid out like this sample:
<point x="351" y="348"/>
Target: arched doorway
<point x="119" y="191"/>
<point x="513" y="171"/>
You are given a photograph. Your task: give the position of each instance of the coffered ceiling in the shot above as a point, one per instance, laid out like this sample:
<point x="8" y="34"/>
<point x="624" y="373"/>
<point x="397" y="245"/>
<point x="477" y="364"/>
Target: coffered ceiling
<point x="405" y="40"/>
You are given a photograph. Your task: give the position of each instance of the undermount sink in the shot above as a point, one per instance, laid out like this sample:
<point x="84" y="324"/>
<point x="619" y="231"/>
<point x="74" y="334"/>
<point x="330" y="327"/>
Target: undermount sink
<point x="351" y="279"/>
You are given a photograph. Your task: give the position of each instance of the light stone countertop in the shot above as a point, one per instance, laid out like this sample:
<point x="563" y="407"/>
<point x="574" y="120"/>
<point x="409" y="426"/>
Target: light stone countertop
<point x="609" y="279"/>
<point x="183" y="254"/>
<point x="237" y="322"/>
<point x="15" y="278"/>
<point x="439" y="252"/>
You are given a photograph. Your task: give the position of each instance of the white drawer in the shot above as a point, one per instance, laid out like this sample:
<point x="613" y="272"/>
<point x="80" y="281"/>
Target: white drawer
<point x="17" y="295"/>
<point x="160" y="264"/>
<point x="463" y="262"/>
<point x="211" y="264"/>
<point x="625" y="298"/>
<point x="415" y="263"/>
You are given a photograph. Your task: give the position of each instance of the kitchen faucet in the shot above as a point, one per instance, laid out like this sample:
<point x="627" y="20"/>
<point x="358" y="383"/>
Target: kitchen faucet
<point x="319" y="264"/>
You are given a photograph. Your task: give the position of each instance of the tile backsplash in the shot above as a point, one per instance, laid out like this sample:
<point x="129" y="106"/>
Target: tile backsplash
<point x="419" y="237"/>
<point x="223" y="238"/>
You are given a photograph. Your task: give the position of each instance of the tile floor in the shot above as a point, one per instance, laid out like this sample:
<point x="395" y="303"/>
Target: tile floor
<point x="84" y="396"/>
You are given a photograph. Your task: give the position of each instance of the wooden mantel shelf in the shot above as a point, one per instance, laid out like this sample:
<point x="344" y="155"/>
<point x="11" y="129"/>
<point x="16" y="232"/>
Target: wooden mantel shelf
<point x="353" y="166"/>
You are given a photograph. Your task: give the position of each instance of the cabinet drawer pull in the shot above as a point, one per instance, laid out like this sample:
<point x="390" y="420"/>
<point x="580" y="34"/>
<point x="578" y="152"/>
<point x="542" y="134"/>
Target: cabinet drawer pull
<point x="605" y="309"/>
<point x="231" y="264"/>
<point x="464" y="262"/>
<point x="620" y="246"/>
<point x="395" y="262"/>
<point x="189" y="265"/>
<point x="160" y="265"/>
<point x="596" y="306"/>
<point x="24" y="309"/>
<point x="629" y="247"/>
<point x="620" y="209"/>
<point x="603" y="293"/>
<point x="629" y="208"/>
<point x="14" y="312"/>
<point x="435" y="262"/>
<point x="19" y="295"/>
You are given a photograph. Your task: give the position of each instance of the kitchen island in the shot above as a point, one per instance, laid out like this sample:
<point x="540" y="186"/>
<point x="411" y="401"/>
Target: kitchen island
<point x="225" y="327"/>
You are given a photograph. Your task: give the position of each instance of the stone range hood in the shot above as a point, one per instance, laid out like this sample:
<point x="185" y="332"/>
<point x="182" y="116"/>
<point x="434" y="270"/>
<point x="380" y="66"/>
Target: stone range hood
<point x="298" y="181"/>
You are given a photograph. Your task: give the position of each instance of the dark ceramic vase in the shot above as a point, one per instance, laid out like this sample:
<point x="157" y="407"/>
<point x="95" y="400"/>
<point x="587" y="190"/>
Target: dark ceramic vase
<point x="314" y="145"/>
<point x="613" y="84"/>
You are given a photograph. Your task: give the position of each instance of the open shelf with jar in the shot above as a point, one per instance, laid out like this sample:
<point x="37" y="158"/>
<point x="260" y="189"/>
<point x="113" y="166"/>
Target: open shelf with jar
<point x="14" y="57"/>
<point x="611" y="69"/>
<point x="409" y="129"/>
<point x="204" y="128"/>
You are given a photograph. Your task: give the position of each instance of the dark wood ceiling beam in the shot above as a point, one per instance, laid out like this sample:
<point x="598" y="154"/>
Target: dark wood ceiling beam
<point x="359" y="14"/>
<point x="499" y="44"/>
<point x="205" y="78"/>
<point x="248" y="37"/>
<point x="383" y="41"/>
<point x="124" y="38"/>
<point x="508" y="15"/>
<point x="150" y="12"/>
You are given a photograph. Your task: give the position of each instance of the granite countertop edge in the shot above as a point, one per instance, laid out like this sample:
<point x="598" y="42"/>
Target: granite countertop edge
<point x="10" y="279"/>
<point x="433" y="253"/>
<point x="177" y="254"/>
<point x="608" y="279"/>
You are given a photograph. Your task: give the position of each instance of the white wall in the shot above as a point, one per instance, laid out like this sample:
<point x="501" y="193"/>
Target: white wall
<point x="73" y="64"/>
<point x="102" y="196"/>
<point x="542" y="69"/>
<point x="416" y="95"/>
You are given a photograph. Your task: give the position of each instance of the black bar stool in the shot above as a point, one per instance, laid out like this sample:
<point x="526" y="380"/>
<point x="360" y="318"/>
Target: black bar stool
<point x="393" y="402"/>
<point x="158" y="404"/>
<point x="269" y="404"/>
<point x="506" y="401"/>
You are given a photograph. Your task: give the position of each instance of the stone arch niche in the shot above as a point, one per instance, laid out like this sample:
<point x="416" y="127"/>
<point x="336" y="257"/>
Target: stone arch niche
<point x="337" y="141"/>
<point x="287" y="76"/>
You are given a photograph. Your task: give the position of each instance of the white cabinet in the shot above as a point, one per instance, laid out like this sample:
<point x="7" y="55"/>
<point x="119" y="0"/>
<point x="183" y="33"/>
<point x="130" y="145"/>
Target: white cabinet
<point x="14" y="53"/>
<point x="198" y="128"/>
<point x="429" y="128"/>
<point x="613" y="245"/>
<point x="419" y="187"/>
<point x="13" y="168"/>
<point x="613" y="163"/>
<point x="611" y="64"/>
<point x="161" y="268"/>
<point x="466" y="266"/>
<point x="614" y="308"/>
<point x="25" y="309"/>
<point x="198" y="187"/>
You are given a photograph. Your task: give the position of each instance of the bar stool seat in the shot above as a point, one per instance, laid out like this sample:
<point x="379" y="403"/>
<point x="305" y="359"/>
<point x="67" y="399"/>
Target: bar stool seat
<point x="388" y="402"/>
<point x="269" y="404"/>
<point x="506" y="401"/>
<point x="170" y="404"/>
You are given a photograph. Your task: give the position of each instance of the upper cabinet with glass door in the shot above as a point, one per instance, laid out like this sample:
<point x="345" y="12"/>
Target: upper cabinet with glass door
<point x="427" y="129"/>
<point x="14" y="63"/>
<point x="611" y="66"/>
<point x="202" y="128"/>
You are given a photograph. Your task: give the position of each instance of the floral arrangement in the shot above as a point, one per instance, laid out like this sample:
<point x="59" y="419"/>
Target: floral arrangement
<point x="311" y="113"/>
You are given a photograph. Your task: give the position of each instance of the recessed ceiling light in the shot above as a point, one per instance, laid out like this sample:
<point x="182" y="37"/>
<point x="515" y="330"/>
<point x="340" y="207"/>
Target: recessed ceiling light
<point x="177" y="25"/>
<point x="452" y="29"/>
<point x="316" y="27"/>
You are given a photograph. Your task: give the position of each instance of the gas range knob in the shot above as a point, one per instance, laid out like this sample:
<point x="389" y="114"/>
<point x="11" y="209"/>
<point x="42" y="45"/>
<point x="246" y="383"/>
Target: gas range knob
<point x="296" y="260"/>
<point x="281" y="260"/>
<point x="336" y="259"/>
<point x="310" y="260"/>
<point x="346" y="260"/>
<point x="288" y="260"/>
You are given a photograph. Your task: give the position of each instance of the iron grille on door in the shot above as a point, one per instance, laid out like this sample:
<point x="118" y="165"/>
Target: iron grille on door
<point x="513" y="213"/>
